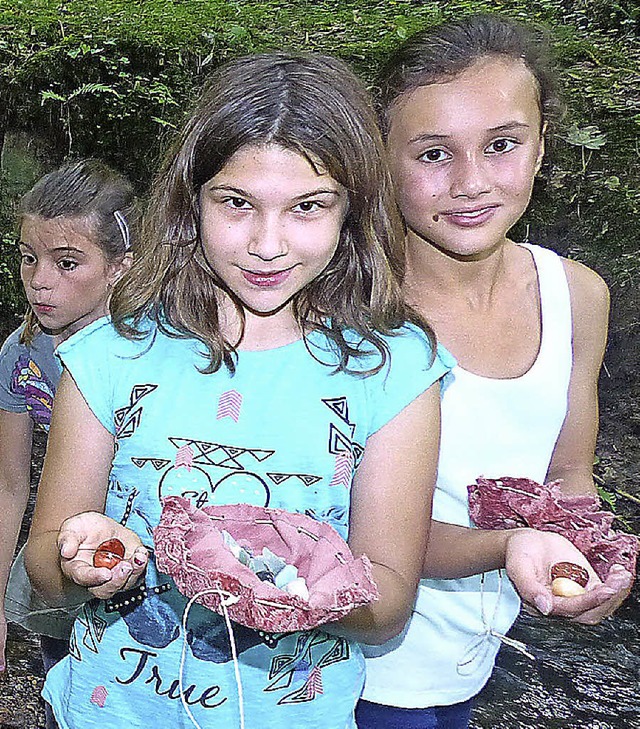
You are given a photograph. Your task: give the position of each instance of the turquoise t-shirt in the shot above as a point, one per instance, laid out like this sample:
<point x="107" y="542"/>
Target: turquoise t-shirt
<point x="284" y="431"/>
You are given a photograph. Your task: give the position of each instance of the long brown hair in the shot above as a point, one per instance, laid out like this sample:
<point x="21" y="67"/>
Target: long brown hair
<point x="90" y="190"/>
<point x="313" y="105"/>
<point x="443" y="51"/>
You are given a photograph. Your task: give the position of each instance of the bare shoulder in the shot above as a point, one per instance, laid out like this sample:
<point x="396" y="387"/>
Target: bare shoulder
<point x="589" y="309"/>
<point x="588" y="289"/>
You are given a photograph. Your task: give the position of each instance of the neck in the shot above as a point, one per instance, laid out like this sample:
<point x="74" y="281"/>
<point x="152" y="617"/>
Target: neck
<point x="261" y="331"/>
<point x="432" y="272"/>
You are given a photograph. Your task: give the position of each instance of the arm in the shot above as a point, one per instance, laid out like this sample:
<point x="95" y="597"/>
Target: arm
<point x="16" y="430"/>
<point x="390" y="514"/>
<point x="74" y="480"/>
<point x="572" y="458"/>
<point x="455" y="551"/>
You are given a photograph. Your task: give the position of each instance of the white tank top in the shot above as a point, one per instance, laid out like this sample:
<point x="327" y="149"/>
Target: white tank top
<point x="492" y="428"/>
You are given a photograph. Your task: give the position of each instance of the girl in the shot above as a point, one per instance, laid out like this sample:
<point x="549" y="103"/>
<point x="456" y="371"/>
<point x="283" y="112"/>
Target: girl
<point x="74" y="246"/>
<point x="466" y="109"/>
<point x="257" y="354"/>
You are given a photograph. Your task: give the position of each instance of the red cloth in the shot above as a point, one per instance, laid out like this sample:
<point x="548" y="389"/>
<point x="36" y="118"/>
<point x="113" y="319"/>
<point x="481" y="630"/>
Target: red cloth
<point x="505" y="503"/>
<point x="189" y="547"/>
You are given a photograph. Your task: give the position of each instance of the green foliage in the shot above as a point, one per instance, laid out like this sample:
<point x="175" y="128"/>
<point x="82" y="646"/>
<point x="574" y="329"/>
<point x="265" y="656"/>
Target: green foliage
<point x="11" y="297"/>
<point x="113" y="78"/>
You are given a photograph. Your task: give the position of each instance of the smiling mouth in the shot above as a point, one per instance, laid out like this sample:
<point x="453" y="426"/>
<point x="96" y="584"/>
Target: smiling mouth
<point x="475" y="216"/>
<point x="266" y="279"/>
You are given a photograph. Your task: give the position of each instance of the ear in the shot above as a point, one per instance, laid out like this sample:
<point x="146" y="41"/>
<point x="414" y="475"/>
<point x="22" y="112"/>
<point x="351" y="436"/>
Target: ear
<point x="541" y="147"/>
<point x="117" y="270"/>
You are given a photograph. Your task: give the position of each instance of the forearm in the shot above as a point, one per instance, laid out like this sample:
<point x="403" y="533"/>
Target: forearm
<point x="42" y="562"/>
<point x="14" y="504"/>
<point x="455" y="551"/>
<point x="382" y="619"/>
<point x="576" y="481"/>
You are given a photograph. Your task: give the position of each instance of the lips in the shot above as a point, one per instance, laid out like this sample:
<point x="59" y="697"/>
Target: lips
<point x="266" y="279"/>
<point x="472" y="217"/>
<point x="43" y="308"/>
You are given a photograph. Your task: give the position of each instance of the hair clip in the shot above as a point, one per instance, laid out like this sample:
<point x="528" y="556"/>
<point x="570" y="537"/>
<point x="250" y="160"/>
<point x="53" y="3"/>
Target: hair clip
<point x="124" y="228"/>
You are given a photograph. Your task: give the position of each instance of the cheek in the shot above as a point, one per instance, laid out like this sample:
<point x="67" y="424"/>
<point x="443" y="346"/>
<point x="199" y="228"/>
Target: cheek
<point x="418" y="193"/>
<point x="517" y="179"/>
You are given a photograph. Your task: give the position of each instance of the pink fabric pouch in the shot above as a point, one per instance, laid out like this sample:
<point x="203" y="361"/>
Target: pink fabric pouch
<point x="506" y="503"/>
<point x="190" y="547"/>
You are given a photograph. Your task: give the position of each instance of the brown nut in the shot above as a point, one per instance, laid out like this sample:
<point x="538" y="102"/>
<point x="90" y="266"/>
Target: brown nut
<point x="571" y="571"/>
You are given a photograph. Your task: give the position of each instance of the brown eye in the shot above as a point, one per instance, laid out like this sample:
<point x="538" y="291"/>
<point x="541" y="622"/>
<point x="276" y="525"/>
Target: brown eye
<point x="308" y="206"/>
<point x="500" y="146"/>
<point x="237" y="202"/>
<point x="434" y="155"/>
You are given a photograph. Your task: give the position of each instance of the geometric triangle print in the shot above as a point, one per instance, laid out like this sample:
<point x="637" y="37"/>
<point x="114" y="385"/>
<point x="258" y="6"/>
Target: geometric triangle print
<point x="338" y="441"/>
<point x="279" y="478"/>
<point x="339" y="406"/>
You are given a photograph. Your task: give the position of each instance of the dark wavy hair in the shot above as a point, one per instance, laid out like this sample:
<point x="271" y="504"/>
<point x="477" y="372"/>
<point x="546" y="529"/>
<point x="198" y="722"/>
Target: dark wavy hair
<point x="441" y="52"/>
<point x="90" y="190"/>
<point x="315" y="106"/>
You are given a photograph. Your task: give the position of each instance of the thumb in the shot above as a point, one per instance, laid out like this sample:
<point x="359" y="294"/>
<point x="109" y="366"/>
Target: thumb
<point x="531" y="588"/>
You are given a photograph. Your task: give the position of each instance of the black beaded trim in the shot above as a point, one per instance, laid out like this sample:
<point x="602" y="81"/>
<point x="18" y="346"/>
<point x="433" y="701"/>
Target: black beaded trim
<point x="128" y="599"/>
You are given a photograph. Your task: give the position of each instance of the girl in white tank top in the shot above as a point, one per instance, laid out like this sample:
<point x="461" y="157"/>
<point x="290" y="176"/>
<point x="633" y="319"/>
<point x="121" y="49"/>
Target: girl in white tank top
<point x="467" y="108"/>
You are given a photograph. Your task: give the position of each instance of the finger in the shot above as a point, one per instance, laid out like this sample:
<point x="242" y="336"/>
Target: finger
<point x="85" y="574"/>
<point x="139" y="561"/>
<point x="533" y="590"/>
<point x="120" y="575"/>
<point x="69" y="542"/>
<point x="572" y="607"/>
<point x="619" y="578"/>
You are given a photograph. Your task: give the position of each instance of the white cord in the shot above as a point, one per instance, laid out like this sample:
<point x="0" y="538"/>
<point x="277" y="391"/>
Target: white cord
<point x="224" y="602"/>
<point x="474" y="647"/>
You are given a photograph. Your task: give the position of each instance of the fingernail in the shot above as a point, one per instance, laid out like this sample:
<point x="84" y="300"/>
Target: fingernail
<point x="542" y="603"/>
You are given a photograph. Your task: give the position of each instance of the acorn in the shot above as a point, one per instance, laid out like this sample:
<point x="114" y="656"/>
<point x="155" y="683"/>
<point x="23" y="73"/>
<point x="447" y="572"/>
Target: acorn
<point x="109" y="553"/>
<point x="568" y="579"/>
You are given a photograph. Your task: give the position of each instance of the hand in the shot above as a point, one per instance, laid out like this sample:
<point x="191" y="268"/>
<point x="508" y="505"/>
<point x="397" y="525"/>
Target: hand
<point x="78" y="539"/>
<point x="530" y="555"/>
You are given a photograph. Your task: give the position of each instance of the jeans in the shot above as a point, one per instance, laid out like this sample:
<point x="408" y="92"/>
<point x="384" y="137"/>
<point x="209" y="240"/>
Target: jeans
<point x="379" y="716"/>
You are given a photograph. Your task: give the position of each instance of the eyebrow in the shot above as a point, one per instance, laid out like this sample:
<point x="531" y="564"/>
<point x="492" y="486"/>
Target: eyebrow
<point x="59" y="249"/>
<point x="509" y="126"/>
<point x="244" y="193"/>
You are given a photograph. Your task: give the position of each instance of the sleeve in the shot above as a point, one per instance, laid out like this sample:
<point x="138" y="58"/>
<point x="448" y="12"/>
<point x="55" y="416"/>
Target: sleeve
<point x="90" y="358"/>
<point x="409" y="372"/>
<point x="11" y="400"/>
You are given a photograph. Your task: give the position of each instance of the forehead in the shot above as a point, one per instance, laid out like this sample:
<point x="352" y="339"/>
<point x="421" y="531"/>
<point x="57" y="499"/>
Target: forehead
<point x="261" y="165"/>
<point x="61" y="232"/>
<point x="490" y="93"/>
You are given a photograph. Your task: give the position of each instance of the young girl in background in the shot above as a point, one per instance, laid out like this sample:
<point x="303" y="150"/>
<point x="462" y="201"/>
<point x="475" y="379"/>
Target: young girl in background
<point x="74" y="245"/>
<point x="257" y="353"/>
<point x="466" y="107"/>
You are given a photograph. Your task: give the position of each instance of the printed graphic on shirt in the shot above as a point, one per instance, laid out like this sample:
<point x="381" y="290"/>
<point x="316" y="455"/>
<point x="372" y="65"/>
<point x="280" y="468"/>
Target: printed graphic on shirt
<point x="210" y="472"/>
<point x="127" y="419"/>
<point x="30" y="382"/>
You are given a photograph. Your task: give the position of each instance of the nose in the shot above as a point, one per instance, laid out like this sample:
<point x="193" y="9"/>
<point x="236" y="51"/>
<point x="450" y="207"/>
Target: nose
<point x="471" y="177"/>
<point x="268" y="240"/>
<point x="39" y="277"/>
